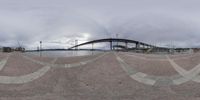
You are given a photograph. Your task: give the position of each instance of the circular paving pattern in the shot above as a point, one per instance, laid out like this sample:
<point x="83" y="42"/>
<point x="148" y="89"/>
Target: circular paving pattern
<point x="183" y="76"/>
<point x="39" y="73"/>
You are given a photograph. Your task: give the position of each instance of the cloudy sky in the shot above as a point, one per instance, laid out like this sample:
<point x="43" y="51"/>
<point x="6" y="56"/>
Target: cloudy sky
<point x="58" y="23"/>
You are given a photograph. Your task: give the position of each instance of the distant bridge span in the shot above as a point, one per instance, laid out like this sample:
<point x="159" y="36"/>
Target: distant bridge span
<point x="111" y="40"/>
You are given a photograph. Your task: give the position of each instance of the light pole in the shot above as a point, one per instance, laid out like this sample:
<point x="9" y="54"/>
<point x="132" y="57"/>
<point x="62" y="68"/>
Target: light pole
<point x="92" y="46"/>
<point x="40" y="45"/>
<point x="76" y="43"/>
<point x="40" y="48"/>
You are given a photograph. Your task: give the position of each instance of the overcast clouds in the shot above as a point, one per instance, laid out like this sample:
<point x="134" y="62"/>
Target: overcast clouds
<point x="63" y="21"/>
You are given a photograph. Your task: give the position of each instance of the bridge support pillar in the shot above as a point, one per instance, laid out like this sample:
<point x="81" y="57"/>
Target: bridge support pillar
<point x="137" y="45"/>
<point x="126" y="43"/>
<point x="144" y="46"/>
<point x="92" y="46"/>
<point x="111" y="46"/>
<point x="76" y="43"/>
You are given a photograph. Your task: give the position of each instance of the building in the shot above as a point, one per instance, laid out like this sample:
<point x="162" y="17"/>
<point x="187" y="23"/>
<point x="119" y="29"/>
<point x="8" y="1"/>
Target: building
<point x="7" y="49"/>
<point x="20" y="49"/>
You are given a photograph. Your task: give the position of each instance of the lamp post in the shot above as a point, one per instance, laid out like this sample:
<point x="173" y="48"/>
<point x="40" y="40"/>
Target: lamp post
<point x="76" y="43"/>
<point x="40" y="48"/>
<point x="40" y="45"/>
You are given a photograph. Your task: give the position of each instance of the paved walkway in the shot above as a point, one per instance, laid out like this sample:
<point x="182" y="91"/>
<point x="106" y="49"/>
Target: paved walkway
<point x="107" y="76"/>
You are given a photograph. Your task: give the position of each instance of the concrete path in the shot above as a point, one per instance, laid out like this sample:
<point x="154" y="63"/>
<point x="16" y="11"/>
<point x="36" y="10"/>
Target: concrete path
<point x="183" y="77"/>
<point x="144" y="58"/>
<point x="25" y="78"/>
<point x="134" y="74"/>
<point x="104" y="77"/>
<point x="52" y="64"/>
<point x="35" y="75"/>
<point x="4" y="61"/>
<point x="193" y="74"/>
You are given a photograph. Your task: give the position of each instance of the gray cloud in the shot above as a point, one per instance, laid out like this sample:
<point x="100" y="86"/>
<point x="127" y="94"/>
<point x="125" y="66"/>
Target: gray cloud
<point x="63" y="21"/>
<point x="159" y="29"/>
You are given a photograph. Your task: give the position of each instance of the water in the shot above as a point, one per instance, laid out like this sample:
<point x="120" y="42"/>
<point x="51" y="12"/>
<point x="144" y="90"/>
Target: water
<point x="63" y="53"/>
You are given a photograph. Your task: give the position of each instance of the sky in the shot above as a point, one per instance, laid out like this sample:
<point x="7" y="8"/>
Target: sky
<point x="58" y="23"/>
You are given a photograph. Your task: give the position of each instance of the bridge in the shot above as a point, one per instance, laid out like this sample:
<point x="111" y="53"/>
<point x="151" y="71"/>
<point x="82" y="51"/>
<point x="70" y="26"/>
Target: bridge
<point x="138" y="44"/>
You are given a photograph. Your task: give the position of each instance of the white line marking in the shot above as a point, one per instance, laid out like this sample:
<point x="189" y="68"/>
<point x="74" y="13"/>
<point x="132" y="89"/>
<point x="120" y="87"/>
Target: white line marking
<point x="24" y="78"/>
<point x="3" y="62"/>
<point x="145" y="58"/>
<point x="187" y="75"/>
<point x="37" y="74"/>
<point x="140" y="77"/>
<point x="64" y="65"/>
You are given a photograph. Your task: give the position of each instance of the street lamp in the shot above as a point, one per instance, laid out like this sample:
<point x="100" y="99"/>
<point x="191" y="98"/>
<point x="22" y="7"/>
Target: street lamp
<point x="40" y="48"/>
<point x="40" y="45"/>
<point x="76" y="43"/>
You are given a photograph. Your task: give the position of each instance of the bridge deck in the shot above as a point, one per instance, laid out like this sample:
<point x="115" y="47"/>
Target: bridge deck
<point x="113" y="40"/>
